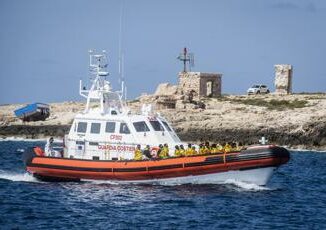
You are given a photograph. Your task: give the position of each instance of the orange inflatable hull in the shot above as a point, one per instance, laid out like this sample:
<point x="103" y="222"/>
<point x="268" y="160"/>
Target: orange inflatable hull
<point x="50" y="168"/>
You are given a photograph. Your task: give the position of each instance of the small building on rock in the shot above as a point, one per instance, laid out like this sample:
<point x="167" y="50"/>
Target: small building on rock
<point x="199" y="84"/>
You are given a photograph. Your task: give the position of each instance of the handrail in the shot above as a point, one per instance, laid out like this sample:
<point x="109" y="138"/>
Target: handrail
<point x="104" y="142"/>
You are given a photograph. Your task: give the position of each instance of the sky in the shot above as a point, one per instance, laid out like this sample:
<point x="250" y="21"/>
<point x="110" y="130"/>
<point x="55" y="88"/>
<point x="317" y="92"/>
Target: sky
<point x="44" y="44"/>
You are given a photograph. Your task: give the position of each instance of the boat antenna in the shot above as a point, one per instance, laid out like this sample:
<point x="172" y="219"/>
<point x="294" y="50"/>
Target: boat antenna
<point x="121" y="55"/>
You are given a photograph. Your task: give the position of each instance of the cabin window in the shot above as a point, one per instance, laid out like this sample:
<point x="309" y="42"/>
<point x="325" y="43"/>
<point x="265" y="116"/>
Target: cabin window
<point x="110" y="127"/>
<point x="157" y="126"/>
<point x="95" y="128"/>
<point x="166" y="126"/>
<point x="82" y="126"/>
<point x="124" y="128"/>
<point x="141" y="126"/>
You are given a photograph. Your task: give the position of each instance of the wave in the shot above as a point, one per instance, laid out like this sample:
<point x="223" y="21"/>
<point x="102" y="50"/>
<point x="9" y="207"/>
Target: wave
<point x="247" y="186"/>
<point x="99" y="182"/>
<point x="20" y="177"/>
<point x="300" y="150"/>
<point x="236" y="184"/>
<point x="22" y="139"/>
<point x="26" y="177"/>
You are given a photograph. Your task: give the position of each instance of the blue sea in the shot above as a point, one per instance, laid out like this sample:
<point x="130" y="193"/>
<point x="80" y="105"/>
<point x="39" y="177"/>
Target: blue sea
<point x="295" y="198"/>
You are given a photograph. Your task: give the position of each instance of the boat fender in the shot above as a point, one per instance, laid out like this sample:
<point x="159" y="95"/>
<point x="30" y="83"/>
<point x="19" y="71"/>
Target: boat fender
<point x="38" y="151"/>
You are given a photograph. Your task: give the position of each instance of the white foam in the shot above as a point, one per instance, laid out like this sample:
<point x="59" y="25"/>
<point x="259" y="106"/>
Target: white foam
<point x="21" y="139"/>
<point x="111" y="182"/>
<point x="239" y="184"/>
<point x="22" y="177"/>
<point x="56" y="140"/>
<point x="298" y="150"/>
<point x="247" y="186"/>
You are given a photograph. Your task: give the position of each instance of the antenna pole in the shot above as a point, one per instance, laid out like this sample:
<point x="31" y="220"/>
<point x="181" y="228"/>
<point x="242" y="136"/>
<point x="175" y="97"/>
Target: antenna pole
<point x="121" y="56"/>
<point x="186" y="57"/>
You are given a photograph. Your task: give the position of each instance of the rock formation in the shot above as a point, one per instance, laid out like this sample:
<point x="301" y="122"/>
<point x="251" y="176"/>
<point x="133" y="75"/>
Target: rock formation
<point x="283" y="79"/>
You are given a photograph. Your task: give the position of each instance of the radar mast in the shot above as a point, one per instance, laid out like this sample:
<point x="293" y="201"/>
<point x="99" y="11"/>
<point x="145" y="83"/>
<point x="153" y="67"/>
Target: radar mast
<point x="101" y="90"/>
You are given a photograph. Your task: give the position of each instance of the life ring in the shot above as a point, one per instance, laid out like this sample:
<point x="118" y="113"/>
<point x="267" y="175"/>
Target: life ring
<point x="154" y="151"/>
<point x="38" y="151"/>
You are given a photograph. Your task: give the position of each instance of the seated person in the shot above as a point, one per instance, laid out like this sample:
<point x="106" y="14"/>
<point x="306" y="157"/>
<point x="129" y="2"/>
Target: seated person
<point x="177" y="152"/>
<point x="147" y="152"/>
<point x="138" y="154"/>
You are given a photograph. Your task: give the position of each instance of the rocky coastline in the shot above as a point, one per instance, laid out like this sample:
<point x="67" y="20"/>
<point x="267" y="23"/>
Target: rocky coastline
<point x="296" y="121"/>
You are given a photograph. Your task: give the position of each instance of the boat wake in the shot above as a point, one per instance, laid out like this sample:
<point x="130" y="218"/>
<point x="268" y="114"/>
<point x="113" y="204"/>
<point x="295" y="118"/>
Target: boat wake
<point x="237" y="185"/>
<point x="246" y="186"/>
<point x="20" y="177"/>
<point x="20" y="139"/>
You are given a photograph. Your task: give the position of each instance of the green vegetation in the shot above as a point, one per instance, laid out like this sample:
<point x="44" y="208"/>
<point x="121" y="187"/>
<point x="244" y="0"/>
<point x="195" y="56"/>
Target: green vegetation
<point x="272" y="104"/>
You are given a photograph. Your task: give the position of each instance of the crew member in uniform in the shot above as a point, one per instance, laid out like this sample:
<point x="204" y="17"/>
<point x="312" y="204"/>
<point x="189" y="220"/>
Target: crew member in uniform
<point x="49" y="151"/>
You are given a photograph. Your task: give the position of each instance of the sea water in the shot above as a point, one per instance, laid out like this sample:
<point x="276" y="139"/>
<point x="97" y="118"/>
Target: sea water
<point x="295" y="198"/>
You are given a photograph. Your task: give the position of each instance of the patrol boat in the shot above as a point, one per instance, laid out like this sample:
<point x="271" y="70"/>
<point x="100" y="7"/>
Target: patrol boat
<point x="102" y="141"/>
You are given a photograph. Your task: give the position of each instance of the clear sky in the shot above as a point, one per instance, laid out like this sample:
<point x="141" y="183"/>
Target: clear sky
<point x="44" y="44"/>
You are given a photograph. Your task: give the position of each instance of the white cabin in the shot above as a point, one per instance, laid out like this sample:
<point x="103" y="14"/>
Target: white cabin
<point x="108" y="131"/>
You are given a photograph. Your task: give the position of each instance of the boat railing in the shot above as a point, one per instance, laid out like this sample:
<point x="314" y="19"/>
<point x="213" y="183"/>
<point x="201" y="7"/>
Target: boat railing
<point x="105" y="145"/>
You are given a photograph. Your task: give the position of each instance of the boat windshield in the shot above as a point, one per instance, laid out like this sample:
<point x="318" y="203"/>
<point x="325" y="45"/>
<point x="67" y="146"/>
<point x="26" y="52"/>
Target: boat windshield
<point x="141" y="126"/>
<point x="156" y="126"/>
<point x="167" y="126"/>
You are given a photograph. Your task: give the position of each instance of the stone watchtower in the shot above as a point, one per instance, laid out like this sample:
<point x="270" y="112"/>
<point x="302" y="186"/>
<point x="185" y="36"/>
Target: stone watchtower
<point x="283" y="79"/>
<point x="198" y="84"/>
<point x="195" y="85"/>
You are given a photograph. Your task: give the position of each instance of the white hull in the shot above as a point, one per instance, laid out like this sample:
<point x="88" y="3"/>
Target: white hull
<point x="258" y="176"/>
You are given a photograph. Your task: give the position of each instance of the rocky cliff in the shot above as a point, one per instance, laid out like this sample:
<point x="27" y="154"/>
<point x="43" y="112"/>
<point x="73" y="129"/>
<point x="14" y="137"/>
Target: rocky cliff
<point x="291" y="120"/>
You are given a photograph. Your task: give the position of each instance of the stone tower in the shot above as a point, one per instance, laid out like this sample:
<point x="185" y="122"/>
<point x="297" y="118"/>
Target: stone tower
<point x="198" y="84"/>
<point x="283" y="79"/>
